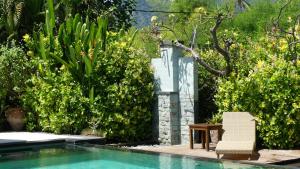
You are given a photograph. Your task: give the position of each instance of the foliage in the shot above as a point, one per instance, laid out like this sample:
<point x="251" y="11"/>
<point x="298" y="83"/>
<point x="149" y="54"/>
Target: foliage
<point x="80" y="44"/>
<point x="253" y="40"/>
<point x="145" y="41"/>
<point x="190" y="5"/>
<point x="18" y="17"/>
<point x="14" y="71"/>
<point x="216" y="118"/>
<point x="55" y="103"/>
<point x="124" y="88"/>
<point x="119" y="12"/>
<point x="271" y="91"/>
<point x="256" y="20"/>
<point x="117" y="77"/>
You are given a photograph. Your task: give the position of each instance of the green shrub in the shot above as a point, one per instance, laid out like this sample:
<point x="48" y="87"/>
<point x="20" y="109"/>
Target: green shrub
<point x="57" y="104"/>
<point x="14" y="71"/>
<point x="272" y="92"/>
<point x="115" y="77"/>
<point x="124" y="89"/>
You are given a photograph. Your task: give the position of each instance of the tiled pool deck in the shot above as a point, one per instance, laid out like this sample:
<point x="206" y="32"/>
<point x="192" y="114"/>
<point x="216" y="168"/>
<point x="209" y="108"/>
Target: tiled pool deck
<point x="263" y="156"/>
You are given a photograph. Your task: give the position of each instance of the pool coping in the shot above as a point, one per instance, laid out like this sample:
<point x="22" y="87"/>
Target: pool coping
<point x="30" y="143"/>
<point x="102" y="142"/>
<point x="51" y="138"/>
<point x="86" y="144"/>
<point x="275" y="165"/>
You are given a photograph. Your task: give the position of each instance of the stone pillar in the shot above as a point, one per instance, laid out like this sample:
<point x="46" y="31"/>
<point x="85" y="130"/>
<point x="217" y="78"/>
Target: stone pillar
<point x="176" y="88"/>
<point x="169" y="127"/>
<point x="188" y="95"/>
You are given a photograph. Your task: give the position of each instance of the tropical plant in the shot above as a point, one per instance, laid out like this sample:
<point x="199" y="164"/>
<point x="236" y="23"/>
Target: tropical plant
<point x="80" y="44"/>
<point x="18" y="17"/>
<point x="12" y="12"/>
<point x="119" y="12"/>
<point x="101" y="66"/>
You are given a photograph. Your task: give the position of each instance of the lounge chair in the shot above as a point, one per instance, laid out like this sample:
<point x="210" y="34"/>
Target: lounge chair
<point x="239" y="134"/>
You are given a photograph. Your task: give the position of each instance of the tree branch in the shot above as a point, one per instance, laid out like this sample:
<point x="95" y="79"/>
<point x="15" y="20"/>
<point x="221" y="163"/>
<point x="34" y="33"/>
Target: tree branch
<point x="293" y="41"/>
<point x="224" y="52"/>
<point x="197" y="57"/>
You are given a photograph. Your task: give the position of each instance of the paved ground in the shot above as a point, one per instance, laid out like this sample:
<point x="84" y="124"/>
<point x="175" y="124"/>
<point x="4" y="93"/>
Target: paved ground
<point x="17" y="138"/>
<point x="263" y="156"/>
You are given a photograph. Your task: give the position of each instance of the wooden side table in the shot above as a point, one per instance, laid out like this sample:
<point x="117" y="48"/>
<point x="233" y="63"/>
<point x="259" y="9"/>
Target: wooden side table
<point x="204" y="129"/>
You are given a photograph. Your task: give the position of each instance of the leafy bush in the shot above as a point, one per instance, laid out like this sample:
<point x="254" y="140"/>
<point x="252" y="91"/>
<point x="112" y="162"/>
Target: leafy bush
<point x="14" y="71"/>
<point x="57" y="104"/>
<point x="271" y="91"/>
<point x="105" y="68"/>
<point x="124" y="89"/>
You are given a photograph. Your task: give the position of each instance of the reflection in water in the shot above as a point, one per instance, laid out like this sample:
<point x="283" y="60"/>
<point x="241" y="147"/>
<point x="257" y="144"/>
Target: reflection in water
<point x="74" y="157"/>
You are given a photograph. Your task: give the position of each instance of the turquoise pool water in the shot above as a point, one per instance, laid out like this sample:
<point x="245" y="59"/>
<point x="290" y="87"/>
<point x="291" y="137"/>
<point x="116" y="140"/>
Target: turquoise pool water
<point x="87" y="157"/>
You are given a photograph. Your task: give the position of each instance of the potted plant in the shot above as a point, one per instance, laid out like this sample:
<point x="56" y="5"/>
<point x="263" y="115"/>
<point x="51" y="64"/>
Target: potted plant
<point x="216" y="119"/>
<point x="14" y="71"/>
<point x="15" y="117"/>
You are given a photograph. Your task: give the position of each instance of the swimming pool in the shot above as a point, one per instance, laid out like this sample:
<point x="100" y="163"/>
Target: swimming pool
<point x="66" y="156"/>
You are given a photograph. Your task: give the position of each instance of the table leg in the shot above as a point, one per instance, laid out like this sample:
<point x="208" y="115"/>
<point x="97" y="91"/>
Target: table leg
<point x="207" y="139"/>
<point x="191" y="139"/>
<point x="203" y="139"/>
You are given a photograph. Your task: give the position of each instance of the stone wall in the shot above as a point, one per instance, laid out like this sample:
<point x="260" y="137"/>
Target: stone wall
<point x="169" y="127"/>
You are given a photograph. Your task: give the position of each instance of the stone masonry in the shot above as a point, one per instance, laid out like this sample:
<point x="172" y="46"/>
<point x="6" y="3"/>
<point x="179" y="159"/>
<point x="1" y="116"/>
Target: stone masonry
<point x="169" y="127"/>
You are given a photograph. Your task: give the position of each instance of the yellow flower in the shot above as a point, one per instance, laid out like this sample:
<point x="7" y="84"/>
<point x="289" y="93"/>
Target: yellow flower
<point x="113" y="33"/>
<point x="260" y="64"/>
<point x="123" y="44"/>
<point x="154" y="19"/>
<point x="30" y="53"/>
<point x="298" y="63"/>
<point x="200" y="10"/>
<point x="62" y="67"/>
<point x="26" y="38"/>
<point x="45" y="39"/>
<point x="290" y="19"/>
<point x="283" y="45"/>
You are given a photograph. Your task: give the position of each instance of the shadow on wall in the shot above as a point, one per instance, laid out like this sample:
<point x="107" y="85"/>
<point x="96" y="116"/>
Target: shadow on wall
<point x="184" y="82"/>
